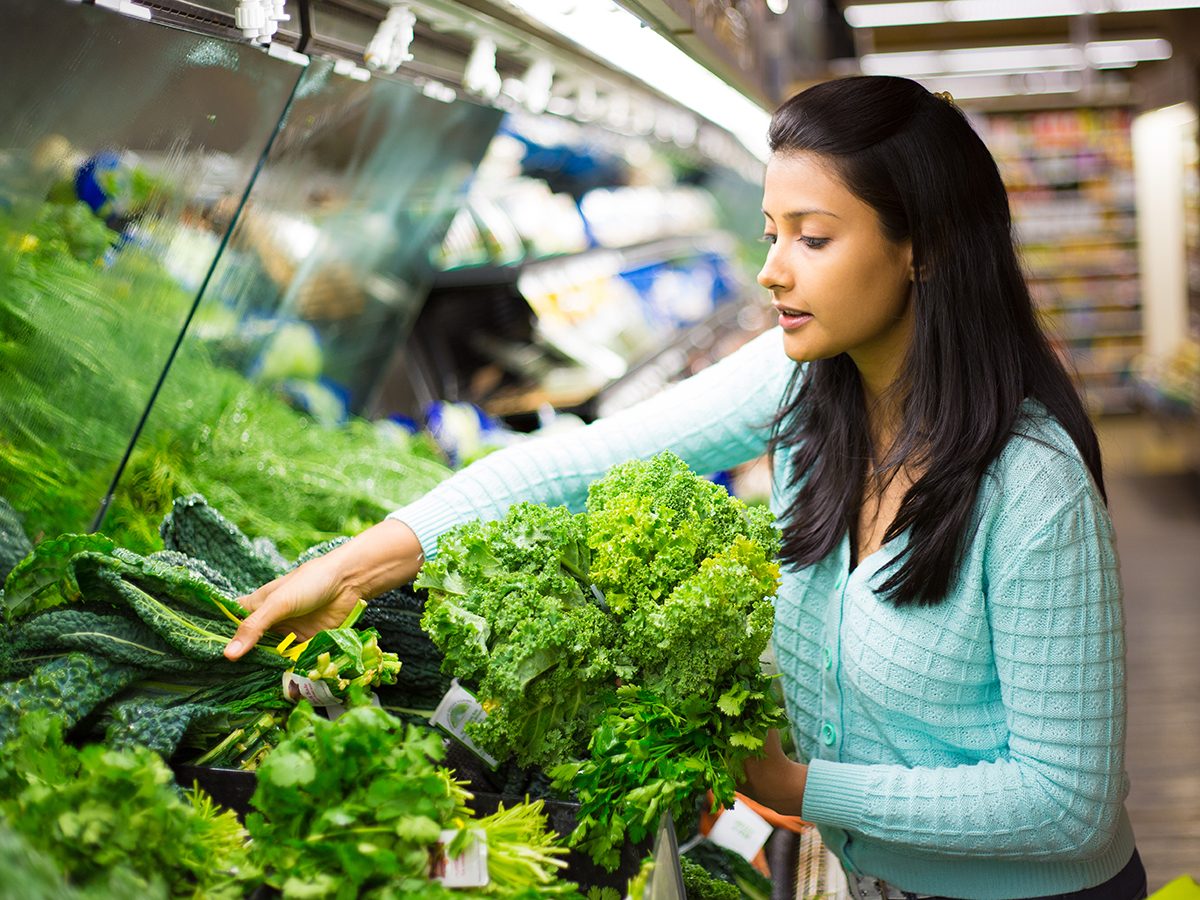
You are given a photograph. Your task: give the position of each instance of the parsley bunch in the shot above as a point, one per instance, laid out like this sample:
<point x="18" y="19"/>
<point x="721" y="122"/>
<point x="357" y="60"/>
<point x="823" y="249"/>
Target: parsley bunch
<point x="650" y="756"/>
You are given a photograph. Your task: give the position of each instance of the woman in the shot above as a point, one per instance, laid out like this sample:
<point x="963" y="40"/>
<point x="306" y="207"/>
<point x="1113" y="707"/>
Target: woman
<point x="949" y="626"/>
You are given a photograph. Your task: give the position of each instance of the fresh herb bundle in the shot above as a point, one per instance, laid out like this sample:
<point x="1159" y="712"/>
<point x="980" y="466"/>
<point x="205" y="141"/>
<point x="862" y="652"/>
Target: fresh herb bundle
<point x="105" y="818"/>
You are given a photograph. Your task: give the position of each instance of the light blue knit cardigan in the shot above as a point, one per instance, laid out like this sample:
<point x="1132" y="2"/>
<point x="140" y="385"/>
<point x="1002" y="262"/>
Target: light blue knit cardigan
<point x="972" y="749"/>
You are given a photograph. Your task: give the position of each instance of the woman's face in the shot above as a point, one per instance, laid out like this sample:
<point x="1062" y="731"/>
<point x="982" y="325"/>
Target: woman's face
<point x="839" y="284"/>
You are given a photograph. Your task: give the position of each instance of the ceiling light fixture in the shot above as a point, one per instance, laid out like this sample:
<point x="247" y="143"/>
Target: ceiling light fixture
<point x="1026" y="58"/>
<point x="974" y="87"/>
<point x="921" y="12"/>
<point x="619" y="37"/>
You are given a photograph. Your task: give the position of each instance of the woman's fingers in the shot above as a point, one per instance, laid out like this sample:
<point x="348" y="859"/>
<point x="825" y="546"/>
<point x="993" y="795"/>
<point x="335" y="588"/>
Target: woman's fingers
<point x="254" y="626"/>
<point x="309" y="595"/>
<point x="255" y="599"/>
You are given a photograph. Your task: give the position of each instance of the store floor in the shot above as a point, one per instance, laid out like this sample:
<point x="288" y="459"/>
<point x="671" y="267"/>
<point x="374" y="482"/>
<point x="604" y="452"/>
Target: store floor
<point x="1154" y="500"/>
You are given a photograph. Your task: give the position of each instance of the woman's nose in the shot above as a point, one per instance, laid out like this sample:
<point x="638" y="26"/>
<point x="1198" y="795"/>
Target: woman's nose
<point x="772" y="275"/>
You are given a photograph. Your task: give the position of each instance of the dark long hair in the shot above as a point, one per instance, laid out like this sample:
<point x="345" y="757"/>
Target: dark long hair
<point x="977" y="350"/>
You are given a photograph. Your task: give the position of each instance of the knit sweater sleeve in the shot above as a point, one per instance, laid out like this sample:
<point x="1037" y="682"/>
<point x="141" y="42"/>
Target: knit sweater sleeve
<point x="714" y="420"/>
<point x="1053" y="604"/>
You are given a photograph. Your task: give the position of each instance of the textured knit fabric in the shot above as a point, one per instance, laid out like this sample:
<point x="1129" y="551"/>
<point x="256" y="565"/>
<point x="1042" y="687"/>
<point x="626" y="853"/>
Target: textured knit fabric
<point x="972" y="749"/>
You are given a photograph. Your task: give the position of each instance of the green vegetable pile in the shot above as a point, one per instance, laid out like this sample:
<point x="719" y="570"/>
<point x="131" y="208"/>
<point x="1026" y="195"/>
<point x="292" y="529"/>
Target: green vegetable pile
<point x="618" y="647"/>
<point x="358" y="807"/>
<point x="354" y="808"/>
<point x="135" y="644"/>
<point x="102" y="823"/>
<point x="85" y="332"/>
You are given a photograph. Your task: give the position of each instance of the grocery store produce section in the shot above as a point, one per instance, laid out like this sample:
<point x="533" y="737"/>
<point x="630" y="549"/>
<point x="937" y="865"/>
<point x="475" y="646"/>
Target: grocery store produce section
<point x="252" y="302"/>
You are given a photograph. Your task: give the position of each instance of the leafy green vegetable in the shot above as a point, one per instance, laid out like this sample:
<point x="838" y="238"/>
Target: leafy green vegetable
<point x="14" y="544"/>
<point x="109" y="621"/>
<point x="65" y="307"/>
<point x="699" y="885"/>
<point x="507" y="606"/>
<point x="664" y="586"/>
<point x="196" y="529"/>
<point x="726" y="865"/>
<point x="650" y="757"/>
<point x="97" y="814"/>
<point x="30" y="874"/>
<point x="66" y="687"/>
<point x="523" y="855"/>
<point x="351" y="808"/>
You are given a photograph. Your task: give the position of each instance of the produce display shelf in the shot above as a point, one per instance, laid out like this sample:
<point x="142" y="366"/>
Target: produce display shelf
<point x="530" y="400"/>
<point x="1069" y="243"/>
<point x="632" y="255"/>
<point x="1087" y="307"/>
<point x="233" y="788"/>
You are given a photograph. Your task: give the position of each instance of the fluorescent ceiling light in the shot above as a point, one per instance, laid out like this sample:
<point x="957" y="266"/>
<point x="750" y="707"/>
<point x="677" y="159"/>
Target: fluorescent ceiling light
<point x="979" y="59"/>
<point x="1145" y="5"/>
<point x="1122" y="54"/>
<point x="877" y="14"/>
<point x="1027" y="58"/>
<point x="920" y="12"/>
<point x="619" y="37"/>
<point x="972" y="87"/>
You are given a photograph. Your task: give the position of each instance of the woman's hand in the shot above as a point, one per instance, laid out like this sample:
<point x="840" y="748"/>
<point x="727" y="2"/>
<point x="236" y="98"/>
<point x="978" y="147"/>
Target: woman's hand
<point x="321" y="593"/>
<point x="775" y="781"/>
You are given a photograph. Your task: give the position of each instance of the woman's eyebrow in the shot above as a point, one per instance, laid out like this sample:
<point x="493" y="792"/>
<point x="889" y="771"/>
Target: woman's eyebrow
<point x="801" y="213"/>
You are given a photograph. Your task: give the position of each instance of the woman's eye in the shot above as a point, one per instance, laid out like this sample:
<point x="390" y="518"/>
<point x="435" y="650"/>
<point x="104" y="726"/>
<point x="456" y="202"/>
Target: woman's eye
<point x="768" y="238"/>
<point x="814" y="243"/>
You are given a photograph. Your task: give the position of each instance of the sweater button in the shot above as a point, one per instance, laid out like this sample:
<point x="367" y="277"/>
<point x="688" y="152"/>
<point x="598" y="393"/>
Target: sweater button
<point x="827" y="657"/>
<point x="828" y="734"/>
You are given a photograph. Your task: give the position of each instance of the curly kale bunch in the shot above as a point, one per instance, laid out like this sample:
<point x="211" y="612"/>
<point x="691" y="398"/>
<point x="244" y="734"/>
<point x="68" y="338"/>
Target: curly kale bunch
<point x="664" y="582"/>
<point x="511" y="608"/>
<point x="688" y="571"/>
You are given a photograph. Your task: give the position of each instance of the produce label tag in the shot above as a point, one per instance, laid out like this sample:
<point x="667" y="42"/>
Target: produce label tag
<point x="455" y="712"/>
<point x="741" y="830"/>
<point x="468" y="870"/>
<point x="315" y="692"/>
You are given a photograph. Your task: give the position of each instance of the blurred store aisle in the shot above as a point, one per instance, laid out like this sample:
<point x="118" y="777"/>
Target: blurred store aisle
<point x="1155" y="503"/>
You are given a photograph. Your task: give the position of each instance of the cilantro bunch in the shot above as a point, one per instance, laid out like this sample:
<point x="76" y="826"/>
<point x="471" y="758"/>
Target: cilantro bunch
<point x="351" y="808"/>
<point x="618" y="648"/>
<point x="357" y="807"/>
<point x="113" y="822"/>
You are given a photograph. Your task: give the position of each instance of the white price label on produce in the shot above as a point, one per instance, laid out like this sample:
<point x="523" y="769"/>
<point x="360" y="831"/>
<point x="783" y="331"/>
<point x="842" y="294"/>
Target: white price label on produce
<point x="741" y="830"/>
<point x="467" y="870"/>
<point x="315" y="692"/>
<point x="455" y="712"/>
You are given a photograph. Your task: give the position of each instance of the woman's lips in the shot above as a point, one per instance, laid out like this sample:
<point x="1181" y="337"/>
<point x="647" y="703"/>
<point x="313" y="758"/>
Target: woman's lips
<point x="790" y="320"/>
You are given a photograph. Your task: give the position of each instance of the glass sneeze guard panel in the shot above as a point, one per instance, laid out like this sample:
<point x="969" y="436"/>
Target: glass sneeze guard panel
<point x="323" y="272"/>
<point x="119" y="141"/>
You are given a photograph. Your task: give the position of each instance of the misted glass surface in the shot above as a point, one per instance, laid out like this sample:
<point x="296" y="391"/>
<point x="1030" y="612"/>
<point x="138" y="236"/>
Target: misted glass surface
<point x="120" y="141"/>
<point x="312" y="298"/>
